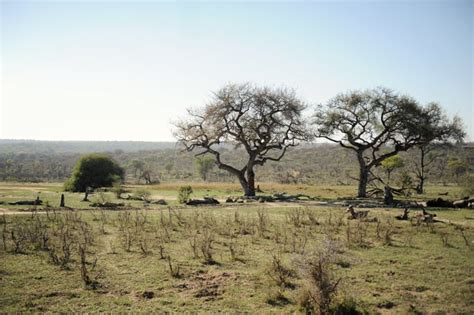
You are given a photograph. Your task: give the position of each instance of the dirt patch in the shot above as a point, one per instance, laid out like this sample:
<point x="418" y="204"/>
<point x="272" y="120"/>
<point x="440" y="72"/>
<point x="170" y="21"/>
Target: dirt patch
<point x="207" y="285"/>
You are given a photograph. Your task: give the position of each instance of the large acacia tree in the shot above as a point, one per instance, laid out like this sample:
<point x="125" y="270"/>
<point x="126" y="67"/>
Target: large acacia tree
<point x="376" y="124"/>
<point x="265" y="122"/>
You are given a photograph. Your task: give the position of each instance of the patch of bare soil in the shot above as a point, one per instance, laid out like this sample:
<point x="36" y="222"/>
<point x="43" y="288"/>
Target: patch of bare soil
<point x="207" y="285"/>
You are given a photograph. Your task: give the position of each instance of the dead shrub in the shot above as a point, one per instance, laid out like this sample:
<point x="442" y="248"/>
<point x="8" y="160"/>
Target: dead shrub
<point x="207" y="238"/>
<point x="321" y="285"/>
<point x="444" y="238"/>
<point x="298" y="241"/>
<point x="19" y="237"/>
<point x="263" y="222"/>
<point x="295" y="217"/>
<point x="89" y="283"/>
<point x="174" y="269"/>
<point x="311" y="216"/>
<point x="461" y="230"/>
<point x="279" y="273"/>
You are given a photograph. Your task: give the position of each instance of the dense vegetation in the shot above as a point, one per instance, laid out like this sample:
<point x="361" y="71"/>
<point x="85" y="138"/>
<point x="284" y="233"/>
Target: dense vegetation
<point x="312" y="164"/>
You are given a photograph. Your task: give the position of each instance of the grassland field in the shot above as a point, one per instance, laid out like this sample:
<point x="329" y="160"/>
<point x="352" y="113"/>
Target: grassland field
<point x="187" y="259"/>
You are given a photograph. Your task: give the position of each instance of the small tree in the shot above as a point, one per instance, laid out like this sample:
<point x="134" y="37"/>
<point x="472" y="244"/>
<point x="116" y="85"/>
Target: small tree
<point x="265" y="122"/>
<point x="94" y="171"/>
<point x="390" y="164"/>
<point x="137" y="167"/>
<point x="458" y="167"/>
<point x="435" y="130"/>
<point x="184" y="194"/>
<point x="204" y="165"/>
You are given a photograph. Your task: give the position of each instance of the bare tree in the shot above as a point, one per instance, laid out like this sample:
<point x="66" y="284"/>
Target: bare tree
<point x="375" y="124"/>
<point x="264" y="121"/>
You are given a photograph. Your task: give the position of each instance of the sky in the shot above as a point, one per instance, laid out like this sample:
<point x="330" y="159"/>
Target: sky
<point x="126" y="70"/>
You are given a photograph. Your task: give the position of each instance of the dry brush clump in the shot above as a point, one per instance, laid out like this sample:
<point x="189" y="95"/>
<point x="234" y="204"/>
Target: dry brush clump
<point x="64" y="236"/>
<point x="263" y="222"/>
<point x="462" y="232"/>
<point x="279" y="273"/>
<point x="385" y="230"/>
<point x="321" y="285"/>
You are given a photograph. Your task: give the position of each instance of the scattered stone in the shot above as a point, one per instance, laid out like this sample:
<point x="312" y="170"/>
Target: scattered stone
<point x="148" y="295"/>
<point x="159" y="202"/>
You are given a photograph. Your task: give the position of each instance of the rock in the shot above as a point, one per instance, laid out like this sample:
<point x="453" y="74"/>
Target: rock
<point x="159" y="202"/>
<point x="148" y="294"/>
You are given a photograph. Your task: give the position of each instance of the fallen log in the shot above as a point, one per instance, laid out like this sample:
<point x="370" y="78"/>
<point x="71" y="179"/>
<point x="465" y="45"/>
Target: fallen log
<point x="440" y="202"/>
<point x="463" y="203"/>
<point x="286" y="197"/>
<point x="205" y="201"/>
<point x="36" y="202"/>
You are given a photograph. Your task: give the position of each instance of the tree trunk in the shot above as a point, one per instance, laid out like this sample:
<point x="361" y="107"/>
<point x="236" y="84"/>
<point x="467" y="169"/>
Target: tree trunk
<point x="250" y="183"/>
<point x="61" y="203"/>
<point x="86" y="195"/>
<point x="421" y="177"/>
<point x="420" y="187"/>
<point x="243" y="183"/>
<point x="388" y="195"/>
<point x="363" y="176"/>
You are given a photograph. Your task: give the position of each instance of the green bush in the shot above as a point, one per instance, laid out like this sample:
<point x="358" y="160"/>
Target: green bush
<point x="184" y="193"/>
<point x="93" y="171"/>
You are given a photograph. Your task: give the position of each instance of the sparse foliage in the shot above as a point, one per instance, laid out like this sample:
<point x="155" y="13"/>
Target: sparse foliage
<point x="265" y="122"/>
<point x="378" y="124"/>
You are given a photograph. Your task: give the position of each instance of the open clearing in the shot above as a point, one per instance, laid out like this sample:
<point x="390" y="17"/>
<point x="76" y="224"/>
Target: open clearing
<point x="221" y="258"/>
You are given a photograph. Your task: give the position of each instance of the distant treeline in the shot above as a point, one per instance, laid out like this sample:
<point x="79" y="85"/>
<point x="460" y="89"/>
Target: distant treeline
<point x="38" y="146"/>
<point x="36" y="161"/>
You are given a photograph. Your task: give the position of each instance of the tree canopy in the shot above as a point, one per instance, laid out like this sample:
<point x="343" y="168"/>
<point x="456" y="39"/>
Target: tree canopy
<point x="378" y="124"/>
<point x="94" y="171"/>
<point x="264" y="121"/>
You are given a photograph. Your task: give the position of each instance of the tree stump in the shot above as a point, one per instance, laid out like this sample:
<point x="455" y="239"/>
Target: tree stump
<point x="388" y="195"/>
<point x="61" y="204"/>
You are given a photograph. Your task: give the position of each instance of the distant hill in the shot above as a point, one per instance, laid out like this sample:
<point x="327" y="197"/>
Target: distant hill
<point x="37" y="146"/>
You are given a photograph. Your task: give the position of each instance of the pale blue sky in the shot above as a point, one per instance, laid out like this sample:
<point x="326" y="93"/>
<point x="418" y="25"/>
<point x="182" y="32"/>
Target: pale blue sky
<point x="124" y="70"/>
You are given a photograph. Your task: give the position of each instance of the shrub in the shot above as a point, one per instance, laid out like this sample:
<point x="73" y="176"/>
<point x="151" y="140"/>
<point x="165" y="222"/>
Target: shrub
<point x="321" y="285"/>
<point x="184" y="194"/>
<point x="94" y="171"/>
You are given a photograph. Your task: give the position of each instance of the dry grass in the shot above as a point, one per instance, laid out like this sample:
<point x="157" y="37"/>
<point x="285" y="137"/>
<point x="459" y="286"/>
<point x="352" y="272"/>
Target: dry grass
<point x="414" y="271"/>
